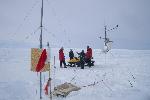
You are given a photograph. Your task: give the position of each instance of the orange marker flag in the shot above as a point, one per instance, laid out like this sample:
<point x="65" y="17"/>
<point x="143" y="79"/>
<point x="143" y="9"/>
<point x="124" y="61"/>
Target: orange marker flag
<point x="46" y="87"/>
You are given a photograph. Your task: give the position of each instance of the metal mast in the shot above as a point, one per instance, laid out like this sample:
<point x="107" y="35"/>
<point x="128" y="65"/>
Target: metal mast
<point x="41" y="26"/>
<point x="105" y="34"/>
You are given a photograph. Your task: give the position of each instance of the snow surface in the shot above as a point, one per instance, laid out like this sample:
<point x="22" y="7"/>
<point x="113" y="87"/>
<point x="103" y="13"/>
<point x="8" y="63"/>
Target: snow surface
<point x="121" y="75"/>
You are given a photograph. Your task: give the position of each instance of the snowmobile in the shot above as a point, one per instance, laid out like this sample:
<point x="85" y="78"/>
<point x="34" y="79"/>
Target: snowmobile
<point x="76" y="62"/>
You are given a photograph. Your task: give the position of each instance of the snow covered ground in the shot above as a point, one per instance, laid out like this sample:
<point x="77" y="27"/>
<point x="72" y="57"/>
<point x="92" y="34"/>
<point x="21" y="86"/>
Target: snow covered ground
<point x="121" y="75"/>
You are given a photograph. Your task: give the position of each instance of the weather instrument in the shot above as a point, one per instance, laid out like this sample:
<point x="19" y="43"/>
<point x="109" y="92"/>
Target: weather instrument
<point x="107" y="41"/>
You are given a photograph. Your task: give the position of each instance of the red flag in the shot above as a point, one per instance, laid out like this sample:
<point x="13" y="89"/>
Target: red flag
<point x="46" y="89"/>
<point x="41" y="61"/>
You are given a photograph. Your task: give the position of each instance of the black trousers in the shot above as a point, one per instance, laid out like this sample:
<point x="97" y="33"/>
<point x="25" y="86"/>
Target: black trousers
<point x="88" y="61"/>
<point x="82" y="64"/>
<point x="63" y="63"/>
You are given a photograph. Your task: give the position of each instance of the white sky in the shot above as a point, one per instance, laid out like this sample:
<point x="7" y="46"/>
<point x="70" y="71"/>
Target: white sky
<point x="76" y="23"/>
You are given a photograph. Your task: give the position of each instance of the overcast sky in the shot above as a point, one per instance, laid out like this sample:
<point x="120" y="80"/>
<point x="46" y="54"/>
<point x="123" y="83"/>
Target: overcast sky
<point x="76" y="23"/>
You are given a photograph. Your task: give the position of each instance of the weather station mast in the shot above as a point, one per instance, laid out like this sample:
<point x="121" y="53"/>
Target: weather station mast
<point x="107" y="42"/>
<point x="41" y="46"/>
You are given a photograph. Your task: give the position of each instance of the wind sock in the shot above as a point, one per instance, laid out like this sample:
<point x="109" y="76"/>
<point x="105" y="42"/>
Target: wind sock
<point x="41" y="61"/>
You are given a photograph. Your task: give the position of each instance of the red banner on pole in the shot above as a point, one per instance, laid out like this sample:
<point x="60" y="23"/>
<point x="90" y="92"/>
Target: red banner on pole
<point x="41" y="61"/>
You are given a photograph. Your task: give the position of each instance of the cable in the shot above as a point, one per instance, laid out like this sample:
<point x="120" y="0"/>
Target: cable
<point x="59" y="23"/>
<point x="26" y="16"/>
<point x="32" y="33"/>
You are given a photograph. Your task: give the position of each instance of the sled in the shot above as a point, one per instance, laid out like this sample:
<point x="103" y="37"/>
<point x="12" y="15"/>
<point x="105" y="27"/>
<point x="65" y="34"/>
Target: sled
<point x="73" y="62"/>
<point x="64" y="89"/>
<point x="76" y="62"/>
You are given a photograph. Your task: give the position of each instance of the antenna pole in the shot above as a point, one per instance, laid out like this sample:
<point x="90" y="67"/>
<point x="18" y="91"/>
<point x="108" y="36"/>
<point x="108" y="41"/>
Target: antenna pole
<point x="41" y="25"/>
<point x="41" y="48"/>
<point x="105" y="34"/>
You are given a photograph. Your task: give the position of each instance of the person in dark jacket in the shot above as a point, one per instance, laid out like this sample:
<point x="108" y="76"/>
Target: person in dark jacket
<point x="62" y="58"/>
<point x="71" y="54"/>
<point x="82" y="57"/>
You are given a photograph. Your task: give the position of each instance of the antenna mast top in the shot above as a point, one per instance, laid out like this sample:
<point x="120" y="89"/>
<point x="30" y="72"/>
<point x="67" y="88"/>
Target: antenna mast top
<point x="41" y="26"/>
<point x="107" y="42"/>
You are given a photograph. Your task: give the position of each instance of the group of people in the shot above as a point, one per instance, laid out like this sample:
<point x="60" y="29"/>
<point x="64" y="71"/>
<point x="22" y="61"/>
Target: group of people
<point x="84" y="57"/>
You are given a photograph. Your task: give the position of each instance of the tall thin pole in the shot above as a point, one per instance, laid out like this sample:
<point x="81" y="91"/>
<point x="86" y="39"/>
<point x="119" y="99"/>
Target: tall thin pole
<point x="50" y="80"/>
<point x="41" y="25"/>
<point x="105" y="34"/>
<point x="41" y="48"/>
<point x="105" y="41"/>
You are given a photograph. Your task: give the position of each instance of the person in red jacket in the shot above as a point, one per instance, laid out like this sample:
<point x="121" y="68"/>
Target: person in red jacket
<point x="62" y="58"/>
<point x="88" y="56"/>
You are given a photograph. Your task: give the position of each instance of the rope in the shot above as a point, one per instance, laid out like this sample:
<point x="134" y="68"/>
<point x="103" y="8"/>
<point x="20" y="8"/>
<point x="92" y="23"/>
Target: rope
<point x="73" y="78"/>
<point x="26" y="19"/>
<point x="27" y="37"/>
<point x="92" y="84"/>
<point x="132" y="76"/>
<point x="53" y="35"/>
<point x="26" y="16"/>
<point x="95" y="83"/>
<point x="59" y="22"/>
<point x="107" y="85"/>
